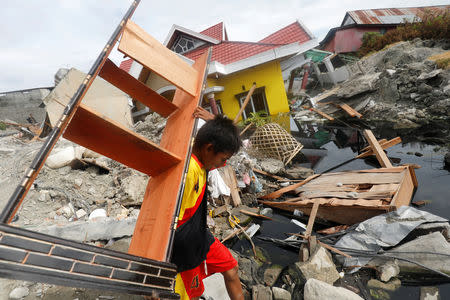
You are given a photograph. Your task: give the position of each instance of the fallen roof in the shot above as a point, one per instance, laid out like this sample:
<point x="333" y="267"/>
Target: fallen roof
<point x="390" y="15"/>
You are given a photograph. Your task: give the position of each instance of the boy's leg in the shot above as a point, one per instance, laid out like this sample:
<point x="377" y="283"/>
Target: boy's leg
<point x="220" y="260"/>
<point x="233" y="284"/>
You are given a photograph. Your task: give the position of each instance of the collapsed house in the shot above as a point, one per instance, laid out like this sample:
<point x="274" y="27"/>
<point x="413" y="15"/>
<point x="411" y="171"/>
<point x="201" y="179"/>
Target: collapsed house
<point x="235" y="67"/>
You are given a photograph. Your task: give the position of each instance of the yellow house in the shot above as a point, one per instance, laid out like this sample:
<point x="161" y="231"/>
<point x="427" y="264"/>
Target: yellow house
<point x="235" y="67"/>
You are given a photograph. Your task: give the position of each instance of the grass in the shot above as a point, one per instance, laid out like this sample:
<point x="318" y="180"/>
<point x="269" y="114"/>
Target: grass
<point x="431" y="26"/>
<point x="442" y="60"/>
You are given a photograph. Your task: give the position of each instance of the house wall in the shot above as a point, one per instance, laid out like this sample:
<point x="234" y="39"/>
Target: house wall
<point x="350" y="39"/>
<point x="267" y="75"/>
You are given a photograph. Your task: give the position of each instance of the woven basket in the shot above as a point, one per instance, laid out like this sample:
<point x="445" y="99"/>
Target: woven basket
<point x="271" y="140"/>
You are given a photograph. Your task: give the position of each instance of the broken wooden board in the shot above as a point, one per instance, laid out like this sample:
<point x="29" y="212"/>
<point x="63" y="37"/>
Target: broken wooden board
<point x="381" y="156"/>
<point x="349" y="110"/>
<point x="377" y="191"/>
<point x="292" y="187"/>
<point x="384" y="145"/>
<point x="230" y="180"/>
<point x="326" y="116"/>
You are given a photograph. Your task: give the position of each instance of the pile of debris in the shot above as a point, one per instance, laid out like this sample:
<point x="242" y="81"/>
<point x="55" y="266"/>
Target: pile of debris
<point x="401" y="85"/>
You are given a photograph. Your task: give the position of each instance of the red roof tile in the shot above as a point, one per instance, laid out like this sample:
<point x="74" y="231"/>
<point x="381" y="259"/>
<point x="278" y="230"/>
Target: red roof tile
<point x="126" y="64"/>
<point x="287" y="35"/>
<point x="229" y="52"/>
<point x="216" y="31"/>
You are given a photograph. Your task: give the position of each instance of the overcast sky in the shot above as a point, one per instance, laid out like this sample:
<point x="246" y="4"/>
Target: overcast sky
<point x="37" y="37"/>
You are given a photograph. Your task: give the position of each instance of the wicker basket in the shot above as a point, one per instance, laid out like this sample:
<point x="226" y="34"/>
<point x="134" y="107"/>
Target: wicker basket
<point x="271" y="140"/>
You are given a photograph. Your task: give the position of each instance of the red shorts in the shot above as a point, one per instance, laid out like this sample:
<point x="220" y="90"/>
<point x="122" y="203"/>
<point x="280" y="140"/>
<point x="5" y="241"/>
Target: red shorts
<point x="218" y="260"/>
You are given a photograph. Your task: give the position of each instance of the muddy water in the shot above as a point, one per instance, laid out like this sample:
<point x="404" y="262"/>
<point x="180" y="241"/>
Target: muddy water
<point x="326" y="147"/>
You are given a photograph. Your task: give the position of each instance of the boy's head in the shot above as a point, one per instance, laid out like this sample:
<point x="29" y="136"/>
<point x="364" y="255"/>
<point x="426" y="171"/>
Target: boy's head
<point x="216" y="141"/>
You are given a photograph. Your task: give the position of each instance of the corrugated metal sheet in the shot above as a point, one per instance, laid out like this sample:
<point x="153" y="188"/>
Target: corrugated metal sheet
<point x="393" y="15"/>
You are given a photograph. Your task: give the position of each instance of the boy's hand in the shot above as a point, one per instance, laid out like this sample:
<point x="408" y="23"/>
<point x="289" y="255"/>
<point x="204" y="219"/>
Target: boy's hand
<point x="202" y="113"/>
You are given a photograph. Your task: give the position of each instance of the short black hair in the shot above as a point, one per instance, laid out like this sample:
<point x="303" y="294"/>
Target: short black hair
<point x="221" y="133"/>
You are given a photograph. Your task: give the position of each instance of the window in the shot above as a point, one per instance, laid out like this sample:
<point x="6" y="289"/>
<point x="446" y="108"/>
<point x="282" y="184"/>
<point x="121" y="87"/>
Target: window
<point x="183" y="44"/>
<point x="207" y="106"/>
<point x="257" y="102"/>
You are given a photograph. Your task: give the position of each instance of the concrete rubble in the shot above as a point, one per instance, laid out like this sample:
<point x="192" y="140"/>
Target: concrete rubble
<point x="316" y="289"/>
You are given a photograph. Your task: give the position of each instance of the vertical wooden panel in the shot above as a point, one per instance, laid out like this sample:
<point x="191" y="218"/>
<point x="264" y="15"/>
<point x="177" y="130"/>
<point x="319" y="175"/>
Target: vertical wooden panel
<point x="146" y="50"/>
<point x="152" y="231"/>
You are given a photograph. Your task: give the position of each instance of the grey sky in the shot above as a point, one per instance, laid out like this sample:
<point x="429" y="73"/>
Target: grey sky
<point x="40" y="36"/>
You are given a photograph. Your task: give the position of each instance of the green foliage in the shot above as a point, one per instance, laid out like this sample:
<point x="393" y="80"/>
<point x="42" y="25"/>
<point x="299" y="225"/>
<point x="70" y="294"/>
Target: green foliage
<point x="431" y="26"/>
<point x="2" y="126"/>
<point x="258" y="118"/>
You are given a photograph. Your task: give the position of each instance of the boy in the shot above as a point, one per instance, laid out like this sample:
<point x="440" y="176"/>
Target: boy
<point x="196" y="252"/>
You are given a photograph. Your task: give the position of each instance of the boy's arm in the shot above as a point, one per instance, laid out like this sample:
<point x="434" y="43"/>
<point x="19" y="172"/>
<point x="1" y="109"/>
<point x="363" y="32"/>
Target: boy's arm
<point x="202" y="113"/>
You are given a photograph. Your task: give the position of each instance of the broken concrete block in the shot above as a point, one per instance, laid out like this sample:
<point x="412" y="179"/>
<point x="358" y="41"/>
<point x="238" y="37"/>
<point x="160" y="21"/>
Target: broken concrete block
<point x="63" y="157"/>
<point x="388" y="270"/>
<point x="280" y="294"/>
<point x="44" y="196"/>
<point x="320" y="266"/>
<point x="316" y="289"/>
<point x="97" y="214"/>
<point x="261" y="292"/>
<point x="392" y="285"/>
<point x="298" y="172"/>
<point x="271" y="274"/>
<point x="433" y="243"/>
<point x="80" y="213"/>
<point x="429" y="293"/>
<point x="19" y="293"/>
<point x="215" y="287"/>
<point x="271" y="165"/>
<point x="82" y="231"/>
<point x="133" y="188"/>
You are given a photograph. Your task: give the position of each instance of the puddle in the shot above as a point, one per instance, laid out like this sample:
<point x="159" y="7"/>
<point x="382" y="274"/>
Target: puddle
<point x="326" y="147"/>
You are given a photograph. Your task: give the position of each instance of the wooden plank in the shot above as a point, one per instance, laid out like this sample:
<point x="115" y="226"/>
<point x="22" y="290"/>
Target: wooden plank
<point x="292" y="187"/>
<point x="346" y="195"/>
<point x="146" y="50"/>
<point x="413" y="175"/>
<point x="249" y="213"/>
<point x="405" y="191"/>
<point x="384" y="145"/>
<point x="311" y="219"/>
<point x="392" y="187"/>
<point x="322" y="114"/>
<point x="268" y="174"/>
<point x="350" y="110"/>
<point x="326" y="188"/>
<point x="108" y="137"/>
<point x="230" y="180"/>
<point x="156" y="219"/>
<point x="247" y="99"/>
<point x="340" y="214"/>
<point x="381" y="156"/>
<point x="333" y="249"/>
<point x="358" y="178"/>
<point x="367" y="148"/>
<point x="136" y="89"/>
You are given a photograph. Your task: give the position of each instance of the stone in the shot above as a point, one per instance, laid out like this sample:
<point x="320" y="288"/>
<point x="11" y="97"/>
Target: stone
<point x="280" y="294"/>
<point x="133" y="188"/>
<point x="19" y="293"/>
<point x="80" y="213"/>
<point x="44" y="196"/>
<point x="271" y="274"/>
<point x="215" y="287"/>
<point x="261" y="292"/>
<point x="388" y="270"/>
<point x="271" y="165"/>
<point x="97" y="214"/>
<point x="78" y="181"/>
<point x="429" y="293"/>
<point x="388" y="90"/>
<point x="298" y="172"/>
<point x="424" y="88"/>
<point x="428" y="75"/>
<point x="63" y="157"/>
<point x="392" y="285"/>
<point x="320" y="266"/>
<point x="318" y="290"/>
<point x="434" y="243"/>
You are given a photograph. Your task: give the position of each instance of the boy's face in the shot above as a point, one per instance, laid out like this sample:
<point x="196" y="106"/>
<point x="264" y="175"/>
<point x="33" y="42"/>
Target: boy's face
<point x="212" y="159"/>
